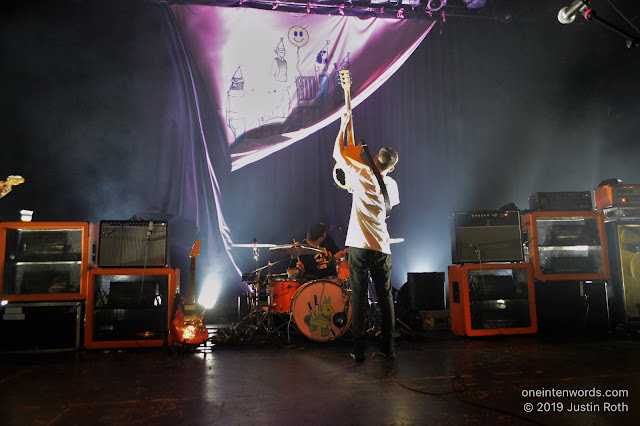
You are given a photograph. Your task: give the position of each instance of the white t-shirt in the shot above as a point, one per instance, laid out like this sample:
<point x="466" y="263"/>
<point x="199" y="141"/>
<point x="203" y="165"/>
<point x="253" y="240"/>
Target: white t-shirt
<point x="367" y="223"/>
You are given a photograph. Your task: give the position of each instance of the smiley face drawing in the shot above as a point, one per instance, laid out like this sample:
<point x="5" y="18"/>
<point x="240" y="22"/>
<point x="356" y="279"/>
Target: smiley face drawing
<point x="298" y="36"/>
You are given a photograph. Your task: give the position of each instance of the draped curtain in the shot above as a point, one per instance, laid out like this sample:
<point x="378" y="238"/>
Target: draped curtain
<point x="108" y="114"/>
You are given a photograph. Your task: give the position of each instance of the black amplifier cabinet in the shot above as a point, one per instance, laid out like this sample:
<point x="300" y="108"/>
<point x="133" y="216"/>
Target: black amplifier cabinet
<point x="572" y="308"/>
<point x="561" y="201"/>
<point x="41" y="326"/>
<point x="486" y="236"/>
<point x="133" y="244"/>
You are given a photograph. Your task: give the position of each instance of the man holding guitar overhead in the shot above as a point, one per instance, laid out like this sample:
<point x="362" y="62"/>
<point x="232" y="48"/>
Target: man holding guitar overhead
<point x="374" y="193"/>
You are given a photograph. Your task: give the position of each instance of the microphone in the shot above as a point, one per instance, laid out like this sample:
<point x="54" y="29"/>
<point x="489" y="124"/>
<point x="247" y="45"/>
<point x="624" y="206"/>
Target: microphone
<point x="567" y="15"/>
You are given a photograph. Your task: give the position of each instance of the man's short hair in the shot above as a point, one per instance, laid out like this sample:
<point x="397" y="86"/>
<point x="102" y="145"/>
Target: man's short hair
<point x="316" y="231"/>
<point x="387" y="158"/>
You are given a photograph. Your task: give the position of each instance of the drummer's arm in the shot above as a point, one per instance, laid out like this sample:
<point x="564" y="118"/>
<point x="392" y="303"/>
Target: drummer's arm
<point x="296" y="271"/>
<point x="341" y="254"/>
<point x="338" y="146"/>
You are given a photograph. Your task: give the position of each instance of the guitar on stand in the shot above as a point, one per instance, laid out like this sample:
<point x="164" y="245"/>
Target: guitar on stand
<point x="187" y="326"/>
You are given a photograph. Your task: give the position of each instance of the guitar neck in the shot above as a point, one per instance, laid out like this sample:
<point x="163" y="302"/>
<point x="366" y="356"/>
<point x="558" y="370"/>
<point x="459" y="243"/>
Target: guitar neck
<point x="349" y="132"/>
<point x="192" y="283"/>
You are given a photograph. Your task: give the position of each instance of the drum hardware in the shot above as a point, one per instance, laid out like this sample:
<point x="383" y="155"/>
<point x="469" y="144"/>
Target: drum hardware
<point x="257" y="284"/>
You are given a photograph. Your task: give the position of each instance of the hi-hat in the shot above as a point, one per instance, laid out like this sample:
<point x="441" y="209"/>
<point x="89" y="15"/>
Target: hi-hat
<point x="252" y="245"/>
<point x="295" y="249"/>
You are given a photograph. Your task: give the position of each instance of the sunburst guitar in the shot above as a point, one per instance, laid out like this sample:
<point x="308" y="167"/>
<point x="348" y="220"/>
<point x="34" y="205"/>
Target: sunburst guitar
<point x="9" y="183"/>
<point x="187" y="327"/>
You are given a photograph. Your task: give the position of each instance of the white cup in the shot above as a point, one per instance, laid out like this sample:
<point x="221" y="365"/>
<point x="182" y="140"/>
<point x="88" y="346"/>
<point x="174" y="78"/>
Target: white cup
<point x="26" y="215"/>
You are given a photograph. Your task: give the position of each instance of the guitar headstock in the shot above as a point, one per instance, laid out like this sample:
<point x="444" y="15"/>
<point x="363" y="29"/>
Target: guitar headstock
<point x="195" y="250"/>
<point x="345" y="79"/>
<point x="14" y="180"/>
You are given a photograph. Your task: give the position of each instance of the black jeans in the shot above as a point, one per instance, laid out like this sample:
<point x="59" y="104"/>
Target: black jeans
<point x="378" y="264"/>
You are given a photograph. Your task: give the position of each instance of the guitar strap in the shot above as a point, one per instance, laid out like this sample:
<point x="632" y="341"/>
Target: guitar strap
<point x="376" y="172"/>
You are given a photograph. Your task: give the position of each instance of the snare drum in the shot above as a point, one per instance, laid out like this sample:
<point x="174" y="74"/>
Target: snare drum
<point x="282" y="291"/>
<point x="342" y="268"/>
<point x="321" y="310"/>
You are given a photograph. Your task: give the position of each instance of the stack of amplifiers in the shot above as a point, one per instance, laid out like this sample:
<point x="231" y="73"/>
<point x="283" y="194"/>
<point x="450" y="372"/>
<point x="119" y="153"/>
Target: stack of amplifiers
<point x="561" y="201"/>
<point x="486" y="236"/>
<point x="618" y="195"/>
<point x="133" y="244"/>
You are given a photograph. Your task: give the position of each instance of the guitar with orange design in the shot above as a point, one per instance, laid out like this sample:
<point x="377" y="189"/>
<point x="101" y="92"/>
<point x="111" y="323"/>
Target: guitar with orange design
<point x="187" y="326"/>
<point x="7" y="185"/>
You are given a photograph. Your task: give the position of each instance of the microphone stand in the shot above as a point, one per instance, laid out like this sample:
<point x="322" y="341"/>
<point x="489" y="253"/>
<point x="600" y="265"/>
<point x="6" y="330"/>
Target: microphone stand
<point x="591" y="15"/>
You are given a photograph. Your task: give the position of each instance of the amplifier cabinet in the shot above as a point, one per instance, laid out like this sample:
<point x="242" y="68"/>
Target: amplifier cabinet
<point x="565" y="246"/>
<point x="572" y="308"/>
<point x="561" y="201"/>
<point x="618" y="195"/>
<point x="41" y="326"/>
<point x="492" y="299"/>
<point x="426" y="291"/>
<point x="46" y="261"/>
<point x="621" y="214"/>
<point x="486" y="236"/>
<point x="133" y="244"/>
<point x="623" y="238"/>
<point x="129" y="307"/>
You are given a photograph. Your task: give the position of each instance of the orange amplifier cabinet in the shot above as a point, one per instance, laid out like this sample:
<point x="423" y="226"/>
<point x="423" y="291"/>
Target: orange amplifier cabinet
<point x="46" y="261"/>
<point x="618" y="195"/>
<point x="129" y="307"/>
<point x="491" y="299"/>
<point x="566" y="246"/>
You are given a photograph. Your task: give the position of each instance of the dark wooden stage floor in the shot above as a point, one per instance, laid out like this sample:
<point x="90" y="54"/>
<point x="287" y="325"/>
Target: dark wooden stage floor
<point x="437" y="378"/>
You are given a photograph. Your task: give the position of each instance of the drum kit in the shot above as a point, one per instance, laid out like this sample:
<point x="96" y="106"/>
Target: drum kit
<point x="319" y="309"/>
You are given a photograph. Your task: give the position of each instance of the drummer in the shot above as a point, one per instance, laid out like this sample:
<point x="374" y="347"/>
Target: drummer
<point x="317" y="265"/>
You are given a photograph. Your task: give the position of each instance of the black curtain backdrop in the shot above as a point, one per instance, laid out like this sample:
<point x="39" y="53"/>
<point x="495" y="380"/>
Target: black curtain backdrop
<point x="99" y="115"/>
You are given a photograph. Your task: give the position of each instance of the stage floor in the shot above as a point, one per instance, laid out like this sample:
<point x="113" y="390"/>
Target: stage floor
<point x="437" y="378"/>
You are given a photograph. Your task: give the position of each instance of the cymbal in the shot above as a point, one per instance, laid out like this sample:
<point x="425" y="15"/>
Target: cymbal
<point x="268" y="265"/>
<point x="395" y="240"/>
<point x="252" y="245"/>
<point x="295" y="249"/>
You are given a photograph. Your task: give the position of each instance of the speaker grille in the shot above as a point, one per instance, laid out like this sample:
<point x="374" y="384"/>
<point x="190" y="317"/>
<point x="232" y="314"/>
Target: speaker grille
<point x="130" y="244"/>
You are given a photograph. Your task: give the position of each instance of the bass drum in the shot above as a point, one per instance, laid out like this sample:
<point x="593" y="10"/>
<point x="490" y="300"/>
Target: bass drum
<point x="321" y="310"/>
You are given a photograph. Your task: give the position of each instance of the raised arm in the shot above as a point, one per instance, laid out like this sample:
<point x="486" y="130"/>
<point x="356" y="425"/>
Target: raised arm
<point x="338" y="149"/>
